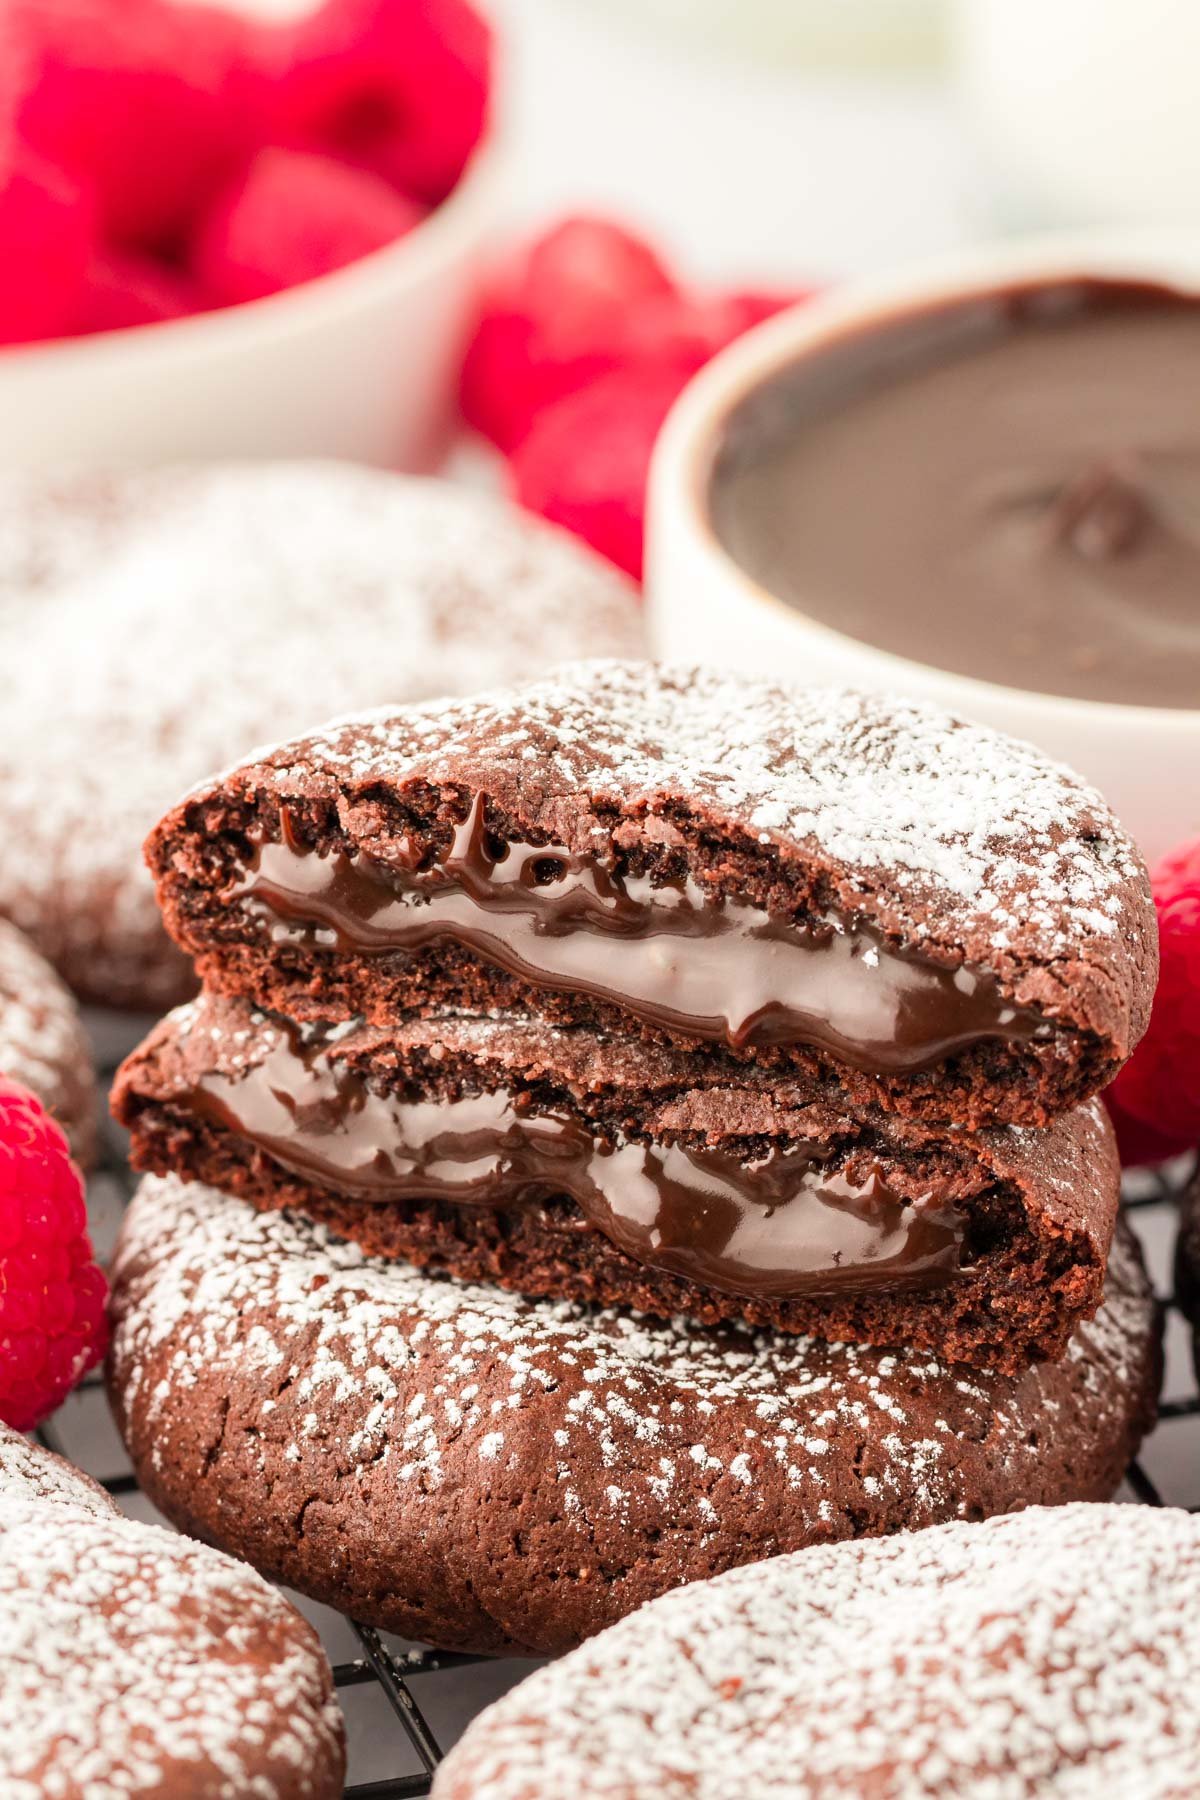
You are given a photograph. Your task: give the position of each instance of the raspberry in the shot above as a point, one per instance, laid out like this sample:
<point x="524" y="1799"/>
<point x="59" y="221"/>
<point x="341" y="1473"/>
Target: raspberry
<point x="124" y="289"/>
<point x="585" y="463"/>
<point x="52" y="1295"/>
<point x="578" y="388"/>
<point x="684" y="331"/>
<point x="590" y="264"/>
<point x="398" y="86"/>
<point x="587" y="300"/>
<point x="557" y="317"/>
<point x="147" y="102"/>
<point x="291" y="217"/>
<point x="46" y="227"/>
<point x="1160" y="1087"/>
<point x="1140" y="1144"/>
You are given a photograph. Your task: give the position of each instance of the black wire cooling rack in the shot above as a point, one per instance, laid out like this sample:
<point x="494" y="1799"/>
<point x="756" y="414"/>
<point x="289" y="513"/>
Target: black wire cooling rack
<point x="404" y="1704"/>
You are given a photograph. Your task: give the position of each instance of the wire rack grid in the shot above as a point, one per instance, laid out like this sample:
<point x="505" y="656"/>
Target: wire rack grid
<point x="406" y="1704"/>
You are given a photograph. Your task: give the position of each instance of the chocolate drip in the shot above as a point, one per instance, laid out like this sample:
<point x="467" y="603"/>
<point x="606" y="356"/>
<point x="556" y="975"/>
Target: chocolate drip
<point x="666" y="952"/>
<point x="785" y="1225"/>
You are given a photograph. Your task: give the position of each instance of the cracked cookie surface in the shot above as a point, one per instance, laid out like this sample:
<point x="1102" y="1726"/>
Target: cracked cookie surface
<point x="483" y="1472"/>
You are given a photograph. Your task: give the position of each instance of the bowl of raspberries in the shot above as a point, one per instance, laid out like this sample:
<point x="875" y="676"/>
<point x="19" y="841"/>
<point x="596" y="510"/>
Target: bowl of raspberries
<point x="227" y="234"/>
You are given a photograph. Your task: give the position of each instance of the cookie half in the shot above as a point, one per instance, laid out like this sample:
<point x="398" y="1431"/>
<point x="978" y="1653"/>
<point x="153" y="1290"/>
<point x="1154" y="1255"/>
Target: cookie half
<point x="930" y="916"/>
<point x="569" y="1165"/>
<point x="138" y="1663"/>
<point x="155" y="625"/>
<point x="1046" y="1655"/>
<point x="484" y="1472"/>
<point x="43" y="1043"/>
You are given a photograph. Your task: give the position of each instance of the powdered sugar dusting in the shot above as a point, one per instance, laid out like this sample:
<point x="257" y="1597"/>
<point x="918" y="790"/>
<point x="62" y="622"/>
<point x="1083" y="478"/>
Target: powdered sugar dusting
<point x="42" y="1040"/>
<point x="1048" y="1656"/>
<point x="154" y="626"/>
<point x="136" y="1661"/>
<point x="907" y="801"/>
<point x="28" y="1472"/>
<point x="385" y="1370"/>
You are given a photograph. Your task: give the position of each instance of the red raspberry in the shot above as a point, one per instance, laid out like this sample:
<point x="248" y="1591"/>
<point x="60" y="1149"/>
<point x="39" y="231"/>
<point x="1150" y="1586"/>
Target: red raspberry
<point x="52" y="1295"/>
<point x="46" y="229"/>
<point x="398" y="86"/>
<point x="291" y="217"/>
<point x="1140" y="1145"/>
<point x="557" y="317"/>
<point x="587" y="264"/>
<point x="1160" y="1087"/>
<point x="684" y="331"/>
<point x="124" y="289"/>
<point x="148" y="102"/>
<point x="585" y="462"/>
<point x="587" y="300"/>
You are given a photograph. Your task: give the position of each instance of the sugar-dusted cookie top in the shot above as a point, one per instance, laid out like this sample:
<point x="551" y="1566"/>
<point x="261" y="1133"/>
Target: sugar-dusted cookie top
<point x="483" y="1472"/>
<point x="27" y="1472"/>
<point x="43" y="1043"/>
<point x="156" y="625"/>
<point x="1046" y="1656"/>
<point x="939" y="910"/>
<point x="139" y="1663"/>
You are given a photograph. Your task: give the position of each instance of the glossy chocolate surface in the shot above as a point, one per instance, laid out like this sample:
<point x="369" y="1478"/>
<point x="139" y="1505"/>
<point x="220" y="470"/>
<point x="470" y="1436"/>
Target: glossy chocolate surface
<point x="668" y="954"/>
<point x="1007" y="486"/>
<point x="782" y="1226"/>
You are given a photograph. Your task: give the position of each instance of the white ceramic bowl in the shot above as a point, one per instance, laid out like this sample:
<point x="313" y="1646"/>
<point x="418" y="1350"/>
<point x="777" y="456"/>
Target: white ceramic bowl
<point x="361" y="364"/>
<point x="703" y="607"/>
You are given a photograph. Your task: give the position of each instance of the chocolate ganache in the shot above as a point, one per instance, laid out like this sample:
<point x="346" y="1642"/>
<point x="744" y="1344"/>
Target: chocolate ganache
<point x="1006" y="486"/>
<point x="782" y="1225"/>
<point x="667" y="953"/>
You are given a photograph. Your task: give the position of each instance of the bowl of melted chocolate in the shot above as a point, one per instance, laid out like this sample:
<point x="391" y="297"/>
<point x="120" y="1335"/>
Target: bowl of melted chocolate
<point x="982" y="490"/>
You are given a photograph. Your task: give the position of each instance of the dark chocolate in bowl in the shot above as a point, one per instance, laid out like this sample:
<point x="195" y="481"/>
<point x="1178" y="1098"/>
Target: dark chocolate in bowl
<point x="1004" y="486"/>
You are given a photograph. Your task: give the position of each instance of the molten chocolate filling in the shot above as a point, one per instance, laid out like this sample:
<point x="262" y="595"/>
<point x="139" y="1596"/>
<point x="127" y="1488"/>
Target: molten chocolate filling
<point x="784" y="1225"/>
<point x="712" y="969"/>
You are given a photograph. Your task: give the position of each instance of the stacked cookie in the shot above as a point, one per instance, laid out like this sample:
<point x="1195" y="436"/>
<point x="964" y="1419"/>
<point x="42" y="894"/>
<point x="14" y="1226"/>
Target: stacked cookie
<point x="633" y="1124"/>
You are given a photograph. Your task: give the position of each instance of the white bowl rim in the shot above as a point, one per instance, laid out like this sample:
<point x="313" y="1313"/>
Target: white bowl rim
<point x="466" y="212"/>
<point x="682" y="456"/>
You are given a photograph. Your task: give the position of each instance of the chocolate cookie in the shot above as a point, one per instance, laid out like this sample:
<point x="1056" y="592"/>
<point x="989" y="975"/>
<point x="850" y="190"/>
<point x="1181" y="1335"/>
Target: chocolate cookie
<point x="27" y="1472"/>
<point x="924" y="914"/>
<point x="1046" y="1656"/>
<point x="485" y="1472"/>
<point x="138" y="1663"/>
<point x="568" y="1165"/>
<point x="154" y="626"/>
<point x="43" y="1043"/>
